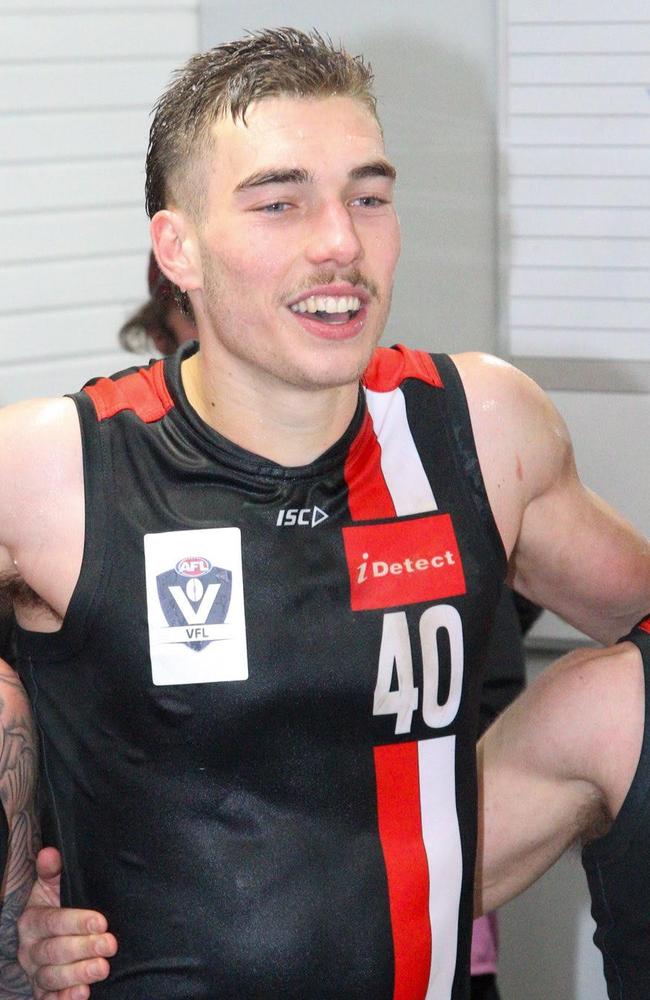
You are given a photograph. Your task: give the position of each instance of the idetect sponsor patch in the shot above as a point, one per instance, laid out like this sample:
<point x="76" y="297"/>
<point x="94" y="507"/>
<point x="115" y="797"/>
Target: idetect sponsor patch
<point x="403" y="562"/>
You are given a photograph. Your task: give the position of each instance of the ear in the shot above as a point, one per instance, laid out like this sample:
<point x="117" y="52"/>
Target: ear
<point x="175" y="247"/>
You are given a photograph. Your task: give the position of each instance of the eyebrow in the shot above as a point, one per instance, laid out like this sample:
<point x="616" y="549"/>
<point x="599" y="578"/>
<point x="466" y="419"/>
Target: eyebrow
<point x="262" y="177"/>
<point x="378" y="168"/>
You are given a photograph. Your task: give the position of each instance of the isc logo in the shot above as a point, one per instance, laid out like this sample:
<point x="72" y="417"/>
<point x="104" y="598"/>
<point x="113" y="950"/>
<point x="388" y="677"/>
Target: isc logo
<point x="307" y="517"/>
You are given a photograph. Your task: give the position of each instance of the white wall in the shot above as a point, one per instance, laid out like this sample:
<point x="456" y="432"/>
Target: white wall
<point x="76" y="85"/>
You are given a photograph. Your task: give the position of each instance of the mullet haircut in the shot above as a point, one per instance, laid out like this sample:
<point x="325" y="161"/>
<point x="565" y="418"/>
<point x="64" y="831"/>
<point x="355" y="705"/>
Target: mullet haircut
<point x="226" y="80"/>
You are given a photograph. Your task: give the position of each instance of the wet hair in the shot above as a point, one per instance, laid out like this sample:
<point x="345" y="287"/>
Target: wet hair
<point x="152" y="318"/>
<point x="226" y="80"/>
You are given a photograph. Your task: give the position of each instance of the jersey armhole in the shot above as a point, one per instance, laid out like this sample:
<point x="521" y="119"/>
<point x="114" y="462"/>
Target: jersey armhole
<point x="93" y="571"/>
<point x="636" y="805"/>
<point x="463" y="447"/>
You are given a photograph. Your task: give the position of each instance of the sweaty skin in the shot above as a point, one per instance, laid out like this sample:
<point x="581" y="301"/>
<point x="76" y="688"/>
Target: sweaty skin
<point x="556" y="767"/>
<point x="291" y="218"/>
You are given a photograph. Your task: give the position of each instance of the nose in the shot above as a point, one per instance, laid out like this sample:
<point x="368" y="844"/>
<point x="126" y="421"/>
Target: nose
<point x="333" y="237"/>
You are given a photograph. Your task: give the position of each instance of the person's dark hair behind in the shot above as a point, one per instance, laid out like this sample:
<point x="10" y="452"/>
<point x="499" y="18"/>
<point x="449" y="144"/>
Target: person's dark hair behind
<point x="152" y="323"/>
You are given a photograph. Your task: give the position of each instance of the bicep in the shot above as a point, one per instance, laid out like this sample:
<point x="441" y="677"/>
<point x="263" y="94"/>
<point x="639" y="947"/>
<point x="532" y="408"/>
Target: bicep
<point x="539" y="787"/>
<point x="528" y="818"/>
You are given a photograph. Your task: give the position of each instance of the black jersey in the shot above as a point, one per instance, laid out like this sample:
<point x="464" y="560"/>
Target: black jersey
<point x="259" y="717"/>
<point x="617" y="871"/>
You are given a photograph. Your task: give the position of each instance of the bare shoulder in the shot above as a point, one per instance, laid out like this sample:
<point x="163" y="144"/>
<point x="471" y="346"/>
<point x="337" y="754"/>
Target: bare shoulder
<point x="522" y="442"/>
<point x="498" y="392"/>
<point x="37" y="418"/>
<point x="40" y="449"/>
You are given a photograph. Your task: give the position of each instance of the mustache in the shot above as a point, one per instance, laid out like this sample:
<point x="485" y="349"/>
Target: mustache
<point x="331" y="277"/>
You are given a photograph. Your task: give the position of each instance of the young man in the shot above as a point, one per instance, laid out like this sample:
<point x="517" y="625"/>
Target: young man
<point x="160" y="322"/>
<point x="268" y="568"/>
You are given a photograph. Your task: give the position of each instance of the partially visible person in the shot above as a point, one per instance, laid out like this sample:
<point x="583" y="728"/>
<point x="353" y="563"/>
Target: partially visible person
<point x="161" y="321"/>
<point x="19" y="837"/>
<point x="569" y="762"/>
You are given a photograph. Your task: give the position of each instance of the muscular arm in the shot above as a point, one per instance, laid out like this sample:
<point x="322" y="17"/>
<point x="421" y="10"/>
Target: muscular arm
<point x="569" y="551"/>
<point x="41" y="506"/>
<point x="17" y="790"/>
<point x="556" y="766"/>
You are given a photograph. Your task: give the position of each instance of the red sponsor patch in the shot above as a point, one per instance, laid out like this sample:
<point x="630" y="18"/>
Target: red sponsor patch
<point x="403" y="562"/>
<point x="645" y="625"/>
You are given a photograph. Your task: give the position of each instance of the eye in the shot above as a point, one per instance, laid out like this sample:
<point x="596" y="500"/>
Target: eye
<point x="274" y="208"/>
<point x="370" y="201"/>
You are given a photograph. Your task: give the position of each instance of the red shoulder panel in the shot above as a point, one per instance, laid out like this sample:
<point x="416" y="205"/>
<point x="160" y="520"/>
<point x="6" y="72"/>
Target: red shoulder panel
<point x="144" y="391"/>
<point x="645" y="625"/>
<point x="391" y="365"/>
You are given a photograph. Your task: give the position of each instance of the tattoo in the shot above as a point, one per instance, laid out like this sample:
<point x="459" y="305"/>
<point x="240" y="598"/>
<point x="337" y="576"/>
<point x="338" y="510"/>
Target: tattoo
<point x="18" y="767"/>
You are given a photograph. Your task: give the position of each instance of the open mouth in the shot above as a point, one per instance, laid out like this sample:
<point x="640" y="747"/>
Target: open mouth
<point x="330" y="309"/>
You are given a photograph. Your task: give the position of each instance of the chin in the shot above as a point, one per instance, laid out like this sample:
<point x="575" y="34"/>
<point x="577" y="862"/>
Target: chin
<point x="338" y="372"/>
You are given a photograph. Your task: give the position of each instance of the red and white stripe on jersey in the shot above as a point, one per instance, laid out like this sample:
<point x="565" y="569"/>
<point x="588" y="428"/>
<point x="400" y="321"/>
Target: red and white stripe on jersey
<point x="418" y="829"/>
<point x="402" y="470"/>
<point x="416" y="781"/>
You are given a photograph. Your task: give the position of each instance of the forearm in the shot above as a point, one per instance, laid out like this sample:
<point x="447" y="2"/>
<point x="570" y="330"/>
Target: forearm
<point x="13" y="981"/>
<point x="17" y="790"/>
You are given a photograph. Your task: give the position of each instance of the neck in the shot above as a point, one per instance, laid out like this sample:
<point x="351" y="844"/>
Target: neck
<point x="287" y="424"/>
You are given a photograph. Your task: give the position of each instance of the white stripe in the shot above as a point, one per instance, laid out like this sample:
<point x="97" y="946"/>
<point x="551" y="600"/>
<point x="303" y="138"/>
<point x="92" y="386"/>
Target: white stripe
<point x="401" y="465"/>
<point x="442" y="844"/>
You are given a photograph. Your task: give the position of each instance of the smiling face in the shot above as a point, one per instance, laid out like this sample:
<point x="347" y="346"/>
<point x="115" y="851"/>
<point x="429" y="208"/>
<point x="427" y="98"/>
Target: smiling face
<point x="299" y="242"/>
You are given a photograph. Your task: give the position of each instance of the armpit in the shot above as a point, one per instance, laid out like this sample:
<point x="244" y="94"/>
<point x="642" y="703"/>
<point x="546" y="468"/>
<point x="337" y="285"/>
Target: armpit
<point x="594" y="820"/>
<point x="15" y="592"/>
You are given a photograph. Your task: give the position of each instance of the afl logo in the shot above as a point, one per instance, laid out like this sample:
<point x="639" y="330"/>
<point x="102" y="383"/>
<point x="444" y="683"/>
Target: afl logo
<point x="193" y="566"/>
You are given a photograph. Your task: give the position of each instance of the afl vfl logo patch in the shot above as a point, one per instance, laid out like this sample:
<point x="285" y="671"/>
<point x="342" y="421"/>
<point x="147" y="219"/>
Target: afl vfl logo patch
<point x="195" y="598"/>
<point x="195" y="606"/>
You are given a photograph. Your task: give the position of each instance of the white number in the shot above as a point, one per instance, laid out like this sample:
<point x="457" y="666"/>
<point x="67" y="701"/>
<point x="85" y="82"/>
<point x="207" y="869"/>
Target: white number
<point x="395" y="655"/>
<point x="441" y="616"/>
<point x="396" y="652"/>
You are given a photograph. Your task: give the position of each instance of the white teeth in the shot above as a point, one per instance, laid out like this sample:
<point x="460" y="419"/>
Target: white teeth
<point x="327" y="304"/>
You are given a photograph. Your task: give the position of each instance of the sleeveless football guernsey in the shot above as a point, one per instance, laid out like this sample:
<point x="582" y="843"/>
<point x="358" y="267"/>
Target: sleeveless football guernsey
<point x="618" y="872"/>
<point x="259" y="717"/>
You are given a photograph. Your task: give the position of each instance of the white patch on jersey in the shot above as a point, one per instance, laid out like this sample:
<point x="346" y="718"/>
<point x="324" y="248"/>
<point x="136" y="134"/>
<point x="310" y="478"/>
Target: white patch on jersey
<point x="401" y="464"/>
<point x="223" y="656"/>
<point x="437" y="765"/>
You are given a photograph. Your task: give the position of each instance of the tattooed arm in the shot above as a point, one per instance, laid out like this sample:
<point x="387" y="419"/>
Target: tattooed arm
<point x="18" y="768"/>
